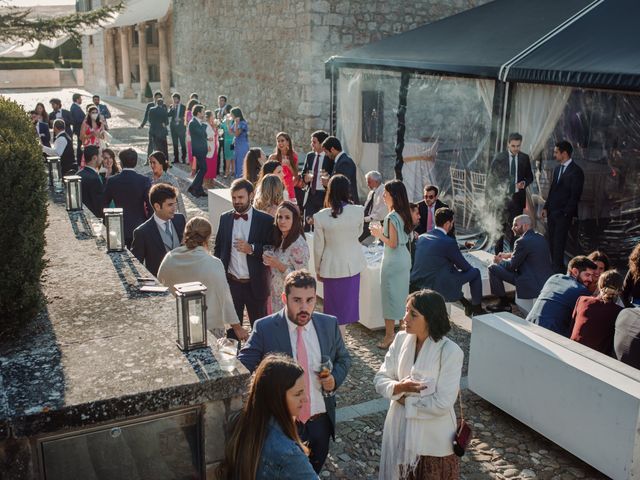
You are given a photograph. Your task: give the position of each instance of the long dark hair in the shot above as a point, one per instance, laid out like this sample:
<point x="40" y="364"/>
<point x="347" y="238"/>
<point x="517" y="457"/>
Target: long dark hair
<point x="267" y="400"/>
<point x="251" y="165"/>
<point x="268" y="167"/>
<point x="431" y="306"/>
<point x="291" y="154"/>
<point x="296" y="228"/>
<point x="398" y="193"/>
<point x="337" y="194"/>
<point x="90" y="109"/>
<point x="192" y="103"/>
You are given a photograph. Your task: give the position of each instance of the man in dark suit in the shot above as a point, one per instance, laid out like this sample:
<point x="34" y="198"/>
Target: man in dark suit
<point x="177" y="113"/>
<point x="528" y="267"/>
<point x="42" y="129"/>
<point x="562" y="202"/>
<point x="60" y="113"/>
<point x="557" y="300"/>
<point x="91" y="184"/>
<point x="199" y="149"/>
<point x="150" y="105"/>
<point x="130" y="191"/>
<point x="427" y="208"/>
<point x="307" y="336"/>
<point x="342" y="164"/>
<point x="241" y="235"/>
<point x="314" y="164"/>
<point x="440" y="266"/>
<point x="222" y="106"/>
<point x="162" y="232"/>
<point x="77" y="116"/>
<point x="158" y="120"/>
<point x="62" y="147"/>
<point x="103" y="110"/>
<point x="509" y="200"/>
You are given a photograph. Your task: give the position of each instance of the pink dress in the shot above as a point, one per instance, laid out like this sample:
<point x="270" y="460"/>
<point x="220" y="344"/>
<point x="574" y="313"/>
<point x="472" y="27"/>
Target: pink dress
<point x="92" y="137"/>
<point x="212" y="154"/>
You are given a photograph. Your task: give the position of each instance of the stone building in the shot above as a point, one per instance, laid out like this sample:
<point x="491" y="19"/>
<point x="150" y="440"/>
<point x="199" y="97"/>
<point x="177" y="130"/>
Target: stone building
<point x="267" y="57"/>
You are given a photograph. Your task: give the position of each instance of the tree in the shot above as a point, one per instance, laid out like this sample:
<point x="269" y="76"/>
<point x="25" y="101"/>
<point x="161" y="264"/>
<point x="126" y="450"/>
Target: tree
<point x="16" y="27"/>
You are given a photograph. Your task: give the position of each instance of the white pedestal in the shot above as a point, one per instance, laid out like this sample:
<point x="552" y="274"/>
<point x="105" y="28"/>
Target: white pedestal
<point x="219" y="202"/>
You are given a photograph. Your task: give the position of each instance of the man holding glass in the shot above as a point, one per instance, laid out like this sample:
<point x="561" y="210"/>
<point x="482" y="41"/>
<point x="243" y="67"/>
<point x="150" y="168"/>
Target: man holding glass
<point x="315" y="341"/>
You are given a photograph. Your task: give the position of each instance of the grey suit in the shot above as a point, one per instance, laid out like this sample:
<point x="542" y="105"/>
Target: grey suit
<point x="528" y="268"/>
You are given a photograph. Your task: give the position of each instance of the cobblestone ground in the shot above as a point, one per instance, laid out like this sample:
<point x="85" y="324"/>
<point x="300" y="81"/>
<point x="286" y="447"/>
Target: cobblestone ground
<point x="502" y="447"/>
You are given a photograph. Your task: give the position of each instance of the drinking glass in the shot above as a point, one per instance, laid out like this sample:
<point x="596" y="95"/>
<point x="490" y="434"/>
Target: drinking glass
<point x="268" y="251"/>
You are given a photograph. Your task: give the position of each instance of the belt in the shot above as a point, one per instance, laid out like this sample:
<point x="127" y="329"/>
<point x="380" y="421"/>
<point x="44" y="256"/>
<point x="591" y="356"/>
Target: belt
<point x="236" y="279"/>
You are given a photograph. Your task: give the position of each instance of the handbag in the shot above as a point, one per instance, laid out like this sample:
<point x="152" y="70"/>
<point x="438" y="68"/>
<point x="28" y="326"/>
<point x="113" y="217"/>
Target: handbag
<point x="463" y="433"/>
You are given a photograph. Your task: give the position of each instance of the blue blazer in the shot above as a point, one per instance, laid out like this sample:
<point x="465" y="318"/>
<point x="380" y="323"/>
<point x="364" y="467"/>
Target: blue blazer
<point x="347" y="167"/>
<point x="531" y="262"/>
<point x="78" y="116"/>
<point x="564" y="195"/>
<point x="130" y="191"/>
<point x="555" y="304"/>
<point x="437" y="265"/>
<point x="44" y="134"/>
<point x="92" y="190"/>
<point x="198" y="133"/>
<point x="271" y="335"/>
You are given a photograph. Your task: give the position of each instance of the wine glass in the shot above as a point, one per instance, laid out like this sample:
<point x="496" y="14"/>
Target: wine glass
<point x="324" y="370"/>
<point x="268" y="251"/>
<point x="377" y="242"/>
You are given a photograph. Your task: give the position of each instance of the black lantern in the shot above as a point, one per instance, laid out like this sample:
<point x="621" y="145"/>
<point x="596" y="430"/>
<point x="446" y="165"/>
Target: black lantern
<point x="54" y="168"/>
<point x="192" y="320"/>
<point x="73" y="195"/>
<point x="114" y="223"/>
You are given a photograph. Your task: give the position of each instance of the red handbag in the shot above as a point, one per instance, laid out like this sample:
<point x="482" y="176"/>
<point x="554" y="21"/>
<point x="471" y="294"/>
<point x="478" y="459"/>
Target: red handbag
<point x="463" y="433"/>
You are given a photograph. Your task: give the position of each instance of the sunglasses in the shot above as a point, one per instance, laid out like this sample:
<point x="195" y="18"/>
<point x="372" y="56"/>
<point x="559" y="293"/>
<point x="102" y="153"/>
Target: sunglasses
<point x="430" y="196"/>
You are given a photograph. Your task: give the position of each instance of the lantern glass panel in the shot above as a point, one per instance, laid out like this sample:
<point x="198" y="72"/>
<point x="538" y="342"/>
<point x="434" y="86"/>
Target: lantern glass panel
<point x="196" y="322"/>
<point x="180" y="320"/>
<point x="114" y="233"/>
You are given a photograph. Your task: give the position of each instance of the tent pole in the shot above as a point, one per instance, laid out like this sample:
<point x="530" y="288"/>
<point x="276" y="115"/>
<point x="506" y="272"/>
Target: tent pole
<point x="402" y="110"/>
<point x="334" y="100"/>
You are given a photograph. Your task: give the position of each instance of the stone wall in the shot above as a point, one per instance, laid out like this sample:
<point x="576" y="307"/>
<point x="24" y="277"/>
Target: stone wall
<point x="268" y="57"/>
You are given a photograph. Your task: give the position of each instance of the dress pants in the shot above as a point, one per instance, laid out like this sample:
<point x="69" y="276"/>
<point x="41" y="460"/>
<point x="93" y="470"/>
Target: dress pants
<point x="150" y="147"/>
<point x="315" y="203"/>
<point x="242" y="295"/>
<point x="497" y="275"/>
<point x="201" y="169"/>
<point x="179" y="140"/>
<point x="558" y="225"/>
<point x="473" y="278"/>
<point x="316" y="432"/>
<point x="160" y="143"/>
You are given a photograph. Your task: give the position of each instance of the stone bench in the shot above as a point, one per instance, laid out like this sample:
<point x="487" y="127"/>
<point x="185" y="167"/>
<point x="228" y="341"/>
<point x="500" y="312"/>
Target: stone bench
<point x="584" y="401"/>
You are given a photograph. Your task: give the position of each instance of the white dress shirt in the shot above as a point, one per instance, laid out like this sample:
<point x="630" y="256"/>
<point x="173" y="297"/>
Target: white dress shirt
<point x="563" y="168"/>
<point x="314" y="357"/>
<point x="161" y="223"/>
<point x="238" y="266"/>
<point x="379" y="209"/>
<point x="319" y="157"/>
<point x="59" y="145"/>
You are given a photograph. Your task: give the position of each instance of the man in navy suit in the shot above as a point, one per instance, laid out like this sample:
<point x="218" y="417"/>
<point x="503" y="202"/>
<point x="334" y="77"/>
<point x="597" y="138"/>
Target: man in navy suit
<point x="77" y="116"/>
<point x="130" y="191"/>
<point x="150" y="105"/>
<point x="91" y="184"/>
<point x="314" y="164"/>
<point x="241" y="235"/>
<point x="439" y="266"/>
<point x="199" y="148"/>
<point x="427" y="208"/>
<point x="158" y="120"/>
<point x="177" y="112"/>
<point x="306" y="336"/>
<point x="342" y="163"/>
<point x="557" y="300"/>
<point x="60" y="113"/>
<point x="562" y="202"/>
<point x="162" y="232"/>
<point x="528" y="267"/>
<point x="42" y="129"/>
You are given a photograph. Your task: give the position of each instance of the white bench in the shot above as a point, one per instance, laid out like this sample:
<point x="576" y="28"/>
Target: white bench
<point x="582" y="400"/>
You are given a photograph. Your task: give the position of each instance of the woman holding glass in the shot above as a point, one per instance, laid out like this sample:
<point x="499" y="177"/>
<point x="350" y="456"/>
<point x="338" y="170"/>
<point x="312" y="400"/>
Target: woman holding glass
<point x="286" y="156"/>
<point x="396" y="261"/>
<point x="421" y="376"/>
<point x="291" y="251"/>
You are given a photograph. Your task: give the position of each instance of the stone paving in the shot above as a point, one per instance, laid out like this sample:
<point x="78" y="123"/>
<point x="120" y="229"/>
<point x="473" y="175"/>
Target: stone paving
<point x="502" y="447"/>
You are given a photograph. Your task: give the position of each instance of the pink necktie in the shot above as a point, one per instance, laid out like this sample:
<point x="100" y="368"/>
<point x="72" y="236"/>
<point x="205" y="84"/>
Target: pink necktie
<point x="301" y="350"/>
<point x="429" y="220"/>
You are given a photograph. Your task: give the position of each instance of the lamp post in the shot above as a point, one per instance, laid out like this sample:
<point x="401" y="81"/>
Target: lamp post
<point x="73" y="194"/>
<point x="191" y="309"/>
<point x="54" y="168"/>
<point x="114" y="223"/>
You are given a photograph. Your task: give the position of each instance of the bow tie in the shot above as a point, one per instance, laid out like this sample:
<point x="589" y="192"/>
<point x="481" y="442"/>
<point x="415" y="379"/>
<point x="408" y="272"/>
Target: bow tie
<point x="243" y="216"/>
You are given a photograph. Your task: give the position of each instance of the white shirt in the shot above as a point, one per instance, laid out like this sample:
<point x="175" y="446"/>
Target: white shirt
<point x="379" y="209"/>
<point x="314" y="358"/>
<point x="238" y="266"/>
<point x="59" y="145"/>
<point x="161" y="223"/>
<point x="319" y="157"/>
<point x="564" y="167"/>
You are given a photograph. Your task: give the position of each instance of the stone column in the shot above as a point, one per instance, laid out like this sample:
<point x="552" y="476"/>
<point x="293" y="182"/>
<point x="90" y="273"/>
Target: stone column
<point x="127" y="91"/>
<point x="142" y="53"/>
<point x="165" y="65"/>
<point x="110" y="61"/>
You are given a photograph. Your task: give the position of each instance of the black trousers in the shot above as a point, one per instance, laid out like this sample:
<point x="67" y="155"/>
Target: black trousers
<point x="160" y="143"/>
<point x="315" y="203"/>
<point x="558" y="225"/>
<point x="243" y="296"/>
<point x="317" y="433"/>
<point x="179" y="140"/>
<point x="151" y="146"/>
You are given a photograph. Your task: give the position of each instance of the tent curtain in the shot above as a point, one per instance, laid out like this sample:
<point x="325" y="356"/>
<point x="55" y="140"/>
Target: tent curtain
<point x="486" y="89"/>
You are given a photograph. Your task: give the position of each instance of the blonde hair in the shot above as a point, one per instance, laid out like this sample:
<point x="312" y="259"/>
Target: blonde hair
<point x="196" y="233"/>
<point x="610" y="285"/>
<point x="269" y="192"/>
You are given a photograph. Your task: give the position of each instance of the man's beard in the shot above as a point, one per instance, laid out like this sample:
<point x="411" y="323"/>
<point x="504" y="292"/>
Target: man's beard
<point x="298" y="321"/>
<point x="242" y="208"/>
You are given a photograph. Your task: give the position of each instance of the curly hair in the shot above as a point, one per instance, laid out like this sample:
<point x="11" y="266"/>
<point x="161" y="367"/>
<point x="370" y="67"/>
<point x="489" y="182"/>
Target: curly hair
<point x="268" y="193"/>
<point x="634" y="263"/>
<point x="196" y="232"/>
<point x="610" y="285"/>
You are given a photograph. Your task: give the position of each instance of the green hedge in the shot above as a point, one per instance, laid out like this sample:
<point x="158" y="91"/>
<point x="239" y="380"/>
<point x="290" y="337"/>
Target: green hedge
<point x="28" y="64"/>
<point x="23" y="216"/>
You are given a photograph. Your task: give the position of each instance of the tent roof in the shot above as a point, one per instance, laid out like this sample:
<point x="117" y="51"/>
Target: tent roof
<point x="572" y="42"/>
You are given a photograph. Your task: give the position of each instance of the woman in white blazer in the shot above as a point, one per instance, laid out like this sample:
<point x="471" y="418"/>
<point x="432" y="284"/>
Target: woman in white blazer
<point x="192" y="262"/>
<point x="337" y="253"/>
<point x="421" y="375"/>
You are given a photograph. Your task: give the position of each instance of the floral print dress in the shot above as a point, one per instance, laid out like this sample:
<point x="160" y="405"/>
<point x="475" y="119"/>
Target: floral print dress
<point x="294" y="258"/>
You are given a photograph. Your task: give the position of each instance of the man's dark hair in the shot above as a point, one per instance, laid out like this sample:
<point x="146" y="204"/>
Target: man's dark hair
<point x="431" y="188"/>
<point x="75" y="97"/>
<point x="58" y="124"/>
<point x="128" y="158"/>
<point x="176" y="95"/>
<point x="431" y="306"/>
<point x="332" y="142"/>
<point x="56" y="101"/>
<point x="582" y="263"/>
<point x="91" y="151"/>
<point x="338" y="193"/>
<point x="96" y="96"/>
<point x="320" y="135"/>
<point x="197" y="109"/>
<point x="222" y="96"/>
<point x="564" y="146"/>
<point x="242" y="184"/>
<point x="515" y="136"/>
<point x="443" y="215"/>
<point x="193" y="95"/>
<point x="33" y="112"/>
<point x="161" y="192"/>
<point x="157" y="93"/>
<point x="298" y="279"/>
